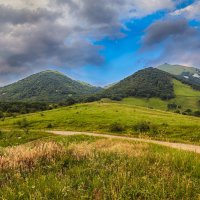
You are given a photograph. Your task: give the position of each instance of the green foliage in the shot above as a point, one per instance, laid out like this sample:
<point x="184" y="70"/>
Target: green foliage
<point x="197" y="113"/>
<point x="116" y="127"/>
<point x="142" y="127"/>
<point x="47" y="86"/>
<point x="24" y="107"/>
<point x="172" y="106"/>
<point x="49" y="125"/>
<point x="146" y="83"/>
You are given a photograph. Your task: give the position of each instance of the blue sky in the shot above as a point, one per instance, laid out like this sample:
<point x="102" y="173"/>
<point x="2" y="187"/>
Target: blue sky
<point x="97" y="42"/>
<point x="122" y="56"/>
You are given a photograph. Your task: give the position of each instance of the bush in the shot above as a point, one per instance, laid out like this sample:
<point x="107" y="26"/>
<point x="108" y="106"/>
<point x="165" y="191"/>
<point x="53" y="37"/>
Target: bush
<point x="142" y="127"/>
<point x="197" y="113"/>
<point x="116" y="127"/>
<point x="116" y="98"/>
<point x="172" y="106"/>
<point x="50" y="125"/>
<point x="188" y="111"/>
<point x="177" y="111"/>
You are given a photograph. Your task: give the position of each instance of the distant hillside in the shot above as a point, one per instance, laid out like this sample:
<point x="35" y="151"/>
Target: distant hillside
<point x="50" y="86"/>
<point x="189" y="75"/>
<point x="147" y="83"/>
<point x="185" y="98"/>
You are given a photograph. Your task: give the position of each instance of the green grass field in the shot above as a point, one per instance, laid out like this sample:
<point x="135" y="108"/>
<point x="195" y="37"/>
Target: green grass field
<point x="186" y="97"/>
<point x="114" y="118"/>
<point x="83" y="167"/>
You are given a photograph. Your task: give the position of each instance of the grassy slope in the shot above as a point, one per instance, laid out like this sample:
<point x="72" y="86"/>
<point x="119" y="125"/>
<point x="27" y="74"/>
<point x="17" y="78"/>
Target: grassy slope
<point x="83" y="167"/>
<point x="185" y="96"/>
<point x="176" y="69"/>
<point x="99" y="117"/>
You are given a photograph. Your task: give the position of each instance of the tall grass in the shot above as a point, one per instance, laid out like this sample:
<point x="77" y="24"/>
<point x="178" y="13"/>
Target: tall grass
<point x="101" y="169"/>
<point x="25" y="157"/>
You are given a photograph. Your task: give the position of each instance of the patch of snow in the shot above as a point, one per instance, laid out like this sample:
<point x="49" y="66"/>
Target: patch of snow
<point x="196" y="75"/>
<point x="186" y="77"/>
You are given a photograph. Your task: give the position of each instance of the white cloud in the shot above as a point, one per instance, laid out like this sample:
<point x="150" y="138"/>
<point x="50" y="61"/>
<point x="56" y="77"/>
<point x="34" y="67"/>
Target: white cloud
<point x="37" y="34"/>
<point x="190" y="12"/>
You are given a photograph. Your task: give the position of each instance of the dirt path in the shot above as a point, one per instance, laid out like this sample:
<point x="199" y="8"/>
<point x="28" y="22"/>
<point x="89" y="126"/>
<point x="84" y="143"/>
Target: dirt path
<point x="186" y="147"/>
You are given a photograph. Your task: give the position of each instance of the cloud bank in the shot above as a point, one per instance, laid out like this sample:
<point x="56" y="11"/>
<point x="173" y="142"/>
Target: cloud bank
<point x="176" y="40"/>
<point x="38" y="34"/>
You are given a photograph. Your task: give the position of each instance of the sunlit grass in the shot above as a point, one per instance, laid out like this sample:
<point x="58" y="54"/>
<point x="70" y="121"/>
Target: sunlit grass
<point x="102" y="117"/>
<point x="93" y="168"/>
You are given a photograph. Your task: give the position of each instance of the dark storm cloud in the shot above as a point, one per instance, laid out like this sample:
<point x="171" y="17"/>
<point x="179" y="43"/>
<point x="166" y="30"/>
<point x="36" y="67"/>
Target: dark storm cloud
<point x="95" y="13"/>
<point x="178" y="41"/>
<point x="161" y="30"/>
<point x="38" y="34"/>
<point x="21" y="16"/>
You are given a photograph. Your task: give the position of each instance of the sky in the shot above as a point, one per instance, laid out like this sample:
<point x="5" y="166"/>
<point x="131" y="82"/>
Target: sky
<point x="99" y="42"/>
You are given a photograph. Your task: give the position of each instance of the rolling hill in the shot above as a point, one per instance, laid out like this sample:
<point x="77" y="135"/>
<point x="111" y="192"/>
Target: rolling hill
<point x="49" y="86"/>
<point x="189" y="75"/>
<point x="157" y="89"/>
<point x="149" y="87"/>
<point x="147" y="83"/>
<point x="102" y="117"/>
<point x="185" y="97"/>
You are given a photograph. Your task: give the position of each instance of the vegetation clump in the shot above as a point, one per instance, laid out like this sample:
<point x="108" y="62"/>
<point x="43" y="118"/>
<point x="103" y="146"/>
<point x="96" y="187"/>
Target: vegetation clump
<point x="146" y="127"/>
<point x="116" y="127"/>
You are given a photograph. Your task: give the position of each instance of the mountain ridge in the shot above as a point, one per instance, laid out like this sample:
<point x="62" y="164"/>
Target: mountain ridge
<point x="47" y="85"/>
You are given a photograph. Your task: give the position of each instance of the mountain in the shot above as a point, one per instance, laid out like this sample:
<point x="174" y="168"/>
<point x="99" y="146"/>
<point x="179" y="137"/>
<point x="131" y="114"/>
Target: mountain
<point x="154" y="88"/>
<point x="149" y="82"/>
<point x="49" y="86"/>
<point x="186" y="74"/>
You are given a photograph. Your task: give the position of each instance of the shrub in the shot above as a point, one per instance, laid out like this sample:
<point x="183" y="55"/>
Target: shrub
<point x="142" y="127"/>
<point x="116" y="98"/>
<point x="177" y="111"/>
<point x="172" y="106"/>
<point x="116" y="127"/>
<point x="197" y="113"/>
<point x="50" y="125"/>
<point x="188" y="111"/>
<point x="154" y="129"/>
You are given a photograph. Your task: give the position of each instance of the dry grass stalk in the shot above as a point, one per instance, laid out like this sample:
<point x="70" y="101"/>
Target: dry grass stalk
<point x="27" y="156"/>
<point x="108" y="145"/>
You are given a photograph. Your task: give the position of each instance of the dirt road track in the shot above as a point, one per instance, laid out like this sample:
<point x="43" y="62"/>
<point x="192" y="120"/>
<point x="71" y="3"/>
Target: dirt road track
<point x="186" y="147"/>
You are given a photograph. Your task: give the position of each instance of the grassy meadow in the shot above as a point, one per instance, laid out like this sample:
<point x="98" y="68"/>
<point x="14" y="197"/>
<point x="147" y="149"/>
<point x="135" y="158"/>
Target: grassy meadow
<point x="113" y="118"/>
<point x="186" y="97"/>
<point x="84" y="167"/>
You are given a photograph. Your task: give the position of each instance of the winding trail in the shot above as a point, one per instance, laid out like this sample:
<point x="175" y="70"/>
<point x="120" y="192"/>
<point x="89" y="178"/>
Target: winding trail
<point x="186" y="147"/>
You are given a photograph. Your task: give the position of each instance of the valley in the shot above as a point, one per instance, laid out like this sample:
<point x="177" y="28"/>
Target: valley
<point x="146" y="133"/>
